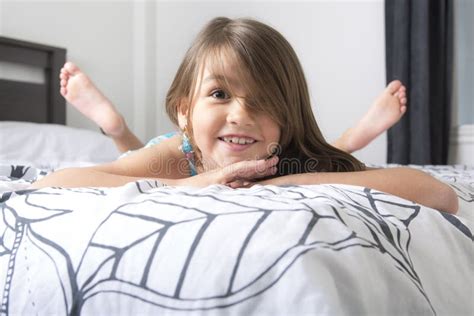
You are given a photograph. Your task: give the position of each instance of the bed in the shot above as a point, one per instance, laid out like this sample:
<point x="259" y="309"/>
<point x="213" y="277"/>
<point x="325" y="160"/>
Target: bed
<point x="148" y="249"/>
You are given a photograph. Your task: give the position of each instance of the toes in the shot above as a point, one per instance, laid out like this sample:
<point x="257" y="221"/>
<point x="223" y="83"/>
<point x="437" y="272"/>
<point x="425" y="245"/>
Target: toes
<point x="403" y="109"/>
<point x="394" y="86"/>
<point x="63" y="91"/>
<point x="403" y="100"/>
<point x="401" y="92"/>
<point x="63" y="82"/>
<point x="71" y="68"/>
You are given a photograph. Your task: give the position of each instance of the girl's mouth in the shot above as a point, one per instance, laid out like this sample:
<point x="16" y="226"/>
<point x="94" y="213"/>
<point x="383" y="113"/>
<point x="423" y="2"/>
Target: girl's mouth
<point x="237" y="143"/>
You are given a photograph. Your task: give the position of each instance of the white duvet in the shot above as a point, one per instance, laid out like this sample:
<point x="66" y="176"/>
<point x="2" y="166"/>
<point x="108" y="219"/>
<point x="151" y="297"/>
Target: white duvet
<point x="144" y="249"/>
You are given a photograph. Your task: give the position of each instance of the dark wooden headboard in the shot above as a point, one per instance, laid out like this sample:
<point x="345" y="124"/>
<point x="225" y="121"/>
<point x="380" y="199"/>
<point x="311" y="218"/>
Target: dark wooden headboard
<point x="27" y="101"/>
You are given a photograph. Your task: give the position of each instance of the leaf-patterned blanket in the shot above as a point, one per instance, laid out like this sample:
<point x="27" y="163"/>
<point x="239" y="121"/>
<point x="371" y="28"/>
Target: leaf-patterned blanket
<point x="145" y="249"/>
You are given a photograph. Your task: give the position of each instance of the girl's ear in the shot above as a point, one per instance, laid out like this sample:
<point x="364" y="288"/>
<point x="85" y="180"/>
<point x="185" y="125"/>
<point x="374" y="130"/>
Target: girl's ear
<point x="182" y="114"/>
<point x="182" y="120"/>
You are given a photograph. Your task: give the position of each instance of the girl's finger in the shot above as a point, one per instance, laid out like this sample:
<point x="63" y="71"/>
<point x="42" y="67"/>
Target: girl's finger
<point x="248" y="184"/>
<point x="240" y="184"/>
<point x="236" y="184"/>
<point x="250" y="169"/>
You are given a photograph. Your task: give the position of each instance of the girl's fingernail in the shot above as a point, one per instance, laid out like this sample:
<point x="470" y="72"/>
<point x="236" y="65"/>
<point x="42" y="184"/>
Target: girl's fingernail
<point x="272" y="170"/>
<point x="272" y="158"/>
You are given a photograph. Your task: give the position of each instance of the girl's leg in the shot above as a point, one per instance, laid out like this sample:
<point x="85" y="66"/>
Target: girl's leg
<point x="386" y="110"/>
<point x="78" y="89"/>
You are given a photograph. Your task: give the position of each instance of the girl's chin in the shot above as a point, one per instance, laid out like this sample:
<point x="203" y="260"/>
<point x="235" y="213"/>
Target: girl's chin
<point x="232" y="160"/>
<point x="220" y="164"/>
<point x="225" y="161"/>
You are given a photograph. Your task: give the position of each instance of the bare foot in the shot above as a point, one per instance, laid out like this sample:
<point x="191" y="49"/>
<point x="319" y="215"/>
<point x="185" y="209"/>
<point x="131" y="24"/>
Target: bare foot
<point x="78" y="89"/>
<point x="386" y="110"/>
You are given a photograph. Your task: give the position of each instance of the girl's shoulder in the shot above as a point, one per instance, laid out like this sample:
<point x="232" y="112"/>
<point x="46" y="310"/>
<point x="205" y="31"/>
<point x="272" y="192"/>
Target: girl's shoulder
<point x="172" y="141"/>
<point x="172" y="137"/>
<point x="159" y="139"/>
<point x="179" y="148"/>
<point x="162" y="160"/>
<point x="168" y="152"/>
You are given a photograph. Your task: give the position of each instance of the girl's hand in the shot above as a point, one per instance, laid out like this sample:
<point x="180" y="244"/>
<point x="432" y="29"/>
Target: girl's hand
<point x="239" y="174"/>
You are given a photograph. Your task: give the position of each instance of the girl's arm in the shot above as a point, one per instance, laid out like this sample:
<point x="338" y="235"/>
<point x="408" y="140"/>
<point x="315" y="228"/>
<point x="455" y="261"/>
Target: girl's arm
<point x="88" y="177"/>
<point x="162" y="161"/>
<point x="235" y="175"/>
<point x="410" y="184"/>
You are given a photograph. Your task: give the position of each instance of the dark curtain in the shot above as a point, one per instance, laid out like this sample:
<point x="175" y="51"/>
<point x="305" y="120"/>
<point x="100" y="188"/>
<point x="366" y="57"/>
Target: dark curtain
<point x="419" y="52"/>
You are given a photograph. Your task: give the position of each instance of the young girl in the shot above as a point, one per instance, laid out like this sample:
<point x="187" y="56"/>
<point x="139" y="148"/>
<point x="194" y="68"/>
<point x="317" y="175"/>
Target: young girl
<point x="241" y="100"/>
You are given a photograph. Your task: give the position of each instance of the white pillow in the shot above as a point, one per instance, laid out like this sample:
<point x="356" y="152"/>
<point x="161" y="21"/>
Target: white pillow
<point x="53" y="146"/>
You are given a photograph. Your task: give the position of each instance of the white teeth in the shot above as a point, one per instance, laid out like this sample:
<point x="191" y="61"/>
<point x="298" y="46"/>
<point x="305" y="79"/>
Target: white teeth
<point x="238" y="140"/>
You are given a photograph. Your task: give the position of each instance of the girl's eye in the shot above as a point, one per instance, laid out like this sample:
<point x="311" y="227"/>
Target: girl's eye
<point x="219" y="94"/>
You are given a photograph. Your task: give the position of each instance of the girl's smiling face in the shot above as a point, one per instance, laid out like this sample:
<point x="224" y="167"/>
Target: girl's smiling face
<point x="224" y="129"/>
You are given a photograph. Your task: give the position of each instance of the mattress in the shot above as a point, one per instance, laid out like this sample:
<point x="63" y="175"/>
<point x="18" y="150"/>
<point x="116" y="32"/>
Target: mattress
<point x="148" y="249"/>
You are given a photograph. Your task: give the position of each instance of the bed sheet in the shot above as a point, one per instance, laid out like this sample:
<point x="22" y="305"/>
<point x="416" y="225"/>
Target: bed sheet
<point x="147" y="249"/>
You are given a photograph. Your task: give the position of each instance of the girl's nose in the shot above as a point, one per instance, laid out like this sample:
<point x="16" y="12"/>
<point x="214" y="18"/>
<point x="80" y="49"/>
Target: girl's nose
<point x="239" y="114"/>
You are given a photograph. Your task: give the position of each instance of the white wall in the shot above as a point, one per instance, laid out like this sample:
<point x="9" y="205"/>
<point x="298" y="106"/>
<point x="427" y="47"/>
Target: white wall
<point x="132" y="51"/>
<point x="464" y="61"/>
<point x="461" y="140"/>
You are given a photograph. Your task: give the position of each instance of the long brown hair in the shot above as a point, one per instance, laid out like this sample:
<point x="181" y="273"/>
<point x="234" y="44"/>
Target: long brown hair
<point x="275" y="83"/>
